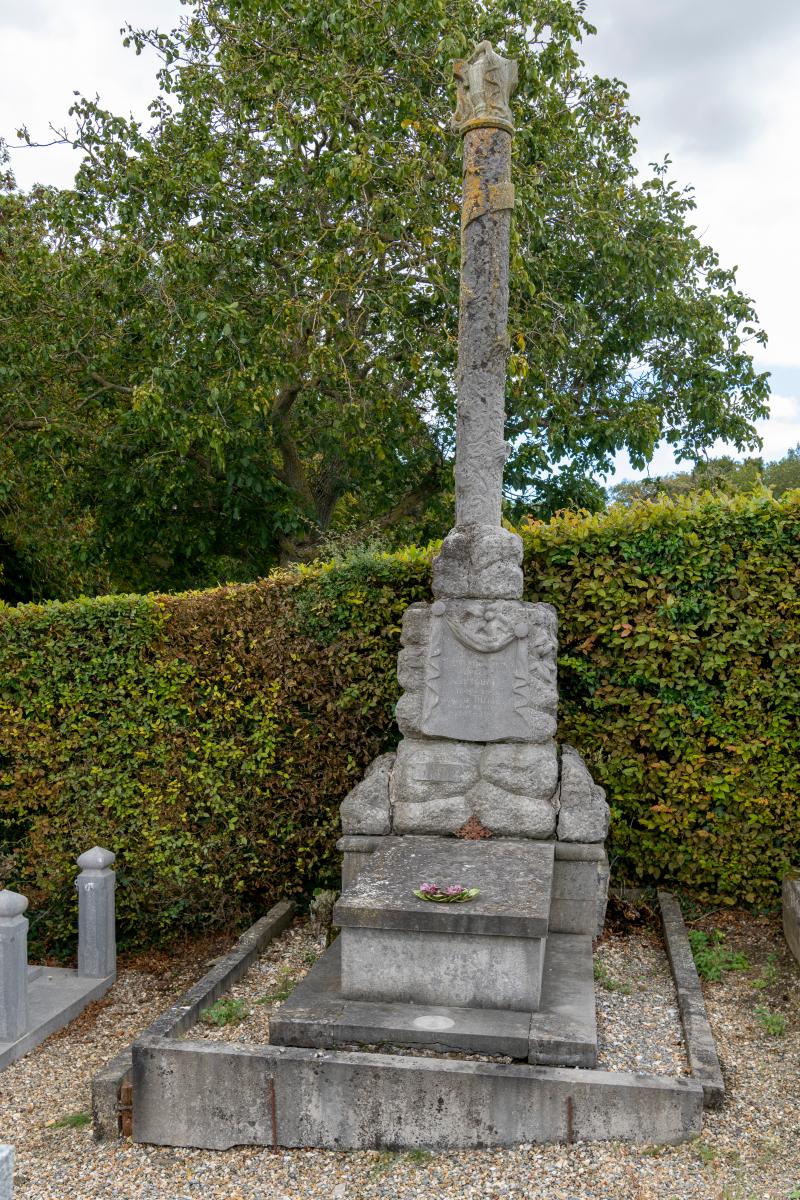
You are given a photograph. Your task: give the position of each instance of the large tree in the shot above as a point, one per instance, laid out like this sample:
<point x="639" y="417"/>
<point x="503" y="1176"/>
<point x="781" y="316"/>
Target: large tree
<point x="255" y="298"/>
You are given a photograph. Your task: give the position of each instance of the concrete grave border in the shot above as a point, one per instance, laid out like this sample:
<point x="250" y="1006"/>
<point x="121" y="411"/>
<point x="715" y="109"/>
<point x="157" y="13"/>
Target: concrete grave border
<point x="700" y="1048"/>
<point x="214" y="1095"/>
<point x="107" y="1083"/>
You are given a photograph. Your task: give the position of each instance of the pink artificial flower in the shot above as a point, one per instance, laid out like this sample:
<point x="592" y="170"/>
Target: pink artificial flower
<point x="429" y="888"/>
<point x="454" y="890"/>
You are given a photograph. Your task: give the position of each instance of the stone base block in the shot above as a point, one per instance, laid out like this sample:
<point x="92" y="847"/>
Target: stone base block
<point x="580" y="875"/>
<point x="437" y="785"/>
<point x="562" y="1033"/>
<point x="479" y="560"/>
<point x="487" y="953"/>
<point x="355" y="853"/>
<point x="464" y="970"/>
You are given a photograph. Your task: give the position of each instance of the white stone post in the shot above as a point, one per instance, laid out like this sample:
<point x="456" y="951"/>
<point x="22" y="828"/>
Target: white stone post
<point x="13" y="966"/>
<point x="6" y="1172"/>
<point x="97" y="941"/>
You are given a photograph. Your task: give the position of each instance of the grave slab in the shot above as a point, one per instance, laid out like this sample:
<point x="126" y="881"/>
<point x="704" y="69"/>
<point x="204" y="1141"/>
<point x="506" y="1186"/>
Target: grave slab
<point x="487" y="953"/>
<point x="514" y="879"/>
<point x="56" y="995"/>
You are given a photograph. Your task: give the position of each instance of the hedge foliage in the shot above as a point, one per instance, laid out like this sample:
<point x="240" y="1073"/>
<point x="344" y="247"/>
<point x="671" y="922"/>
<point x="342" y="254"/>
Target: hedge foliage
<point x="209" y="738"/>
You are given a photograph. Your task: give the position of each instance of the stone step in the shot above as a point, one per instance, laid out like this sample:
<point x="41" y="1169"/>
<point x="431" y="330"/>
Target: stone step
<point x="562" y="1033"/>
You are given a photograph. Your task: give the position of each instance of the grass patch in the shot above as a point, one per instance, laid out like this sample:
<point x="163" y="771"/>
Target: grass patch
<point x="704" y="1152"/>
<point x="712" y="957"/>
<point x="386" y="1159"/>
<point x="283" y="988"/>
<point x="74" y="1121"/>
<point x="773" y="1023"/>
<point x="769" y="974"/>
<point x="608" y="982"/>
<point x="225" y="1011"/>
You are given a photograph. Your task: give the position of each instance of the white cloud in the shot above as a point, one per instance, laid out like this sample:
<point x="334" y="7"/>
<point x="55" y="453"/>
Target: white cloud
<point x="692" y="64"/>
<point x="51" y="49"/>
<point x="716" y="85"/>
<point x="781" y="432"/>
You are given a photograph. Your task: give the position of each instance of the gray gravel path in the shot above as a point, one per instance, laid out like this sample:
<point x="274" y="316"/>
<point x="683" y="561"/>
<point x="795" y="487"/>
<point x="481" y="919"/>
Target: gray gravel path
<point x="750" y="1150"/>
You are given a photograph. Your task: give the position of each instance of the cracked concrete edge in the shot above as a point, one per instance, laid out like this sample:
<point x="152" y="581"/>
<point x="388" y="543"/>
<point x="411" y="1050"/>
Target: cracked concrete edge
<point x="700" y="1047"/>
<point x="214" y="1095"/>
<point x="184" y="1013"/>
<point x="105" y="1087"/>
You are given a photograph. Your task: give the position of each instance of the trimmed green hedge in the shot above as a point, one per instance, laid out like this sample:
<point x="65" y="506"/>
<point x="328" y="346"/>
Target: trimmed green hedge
<point x="209" y="738"/>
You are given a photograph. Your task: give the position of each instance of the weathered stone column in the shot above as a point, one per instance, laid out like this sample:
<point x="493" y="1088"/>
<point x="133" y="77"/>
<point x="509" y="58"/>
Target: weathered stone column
<point x="479" y="558"/>
<point x="13" y="966"/>
<point x="97" y="945"/>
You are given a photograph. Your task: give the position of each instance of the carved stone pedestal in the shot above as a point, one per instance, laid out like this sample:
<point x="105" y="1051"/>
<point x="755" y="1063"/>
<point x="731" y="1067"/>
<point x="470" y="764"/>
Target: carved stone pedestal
<point x="489" y="976"/>
<point x="487" y="953"/>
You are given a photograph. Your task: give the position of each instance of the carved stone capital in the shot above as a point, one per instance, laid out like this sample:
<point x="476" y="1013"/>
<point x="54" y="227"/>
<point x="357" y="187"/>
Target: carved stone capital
<point x="485" y="82"/>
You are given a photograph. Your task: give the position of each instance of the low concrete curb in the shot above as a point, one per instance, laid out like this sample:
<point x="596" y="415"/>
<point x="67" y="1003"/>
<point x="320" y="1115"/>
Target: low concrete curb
<point x="700" y="1048"/>
<point x="6" y="1172"/>
<point x="184" y="1013"/>
<point x="791" y="913"/>
<point x="216" y="1095"/>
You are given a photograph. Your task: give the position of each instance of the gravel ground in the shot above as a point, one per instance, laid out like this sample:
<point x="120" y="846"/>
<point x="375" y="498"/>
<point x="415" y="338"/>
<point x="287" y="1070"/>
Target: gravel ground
<point x="638" y="1024"/>
<point x="750" y="1150"/>
<point x="271" y="977"/>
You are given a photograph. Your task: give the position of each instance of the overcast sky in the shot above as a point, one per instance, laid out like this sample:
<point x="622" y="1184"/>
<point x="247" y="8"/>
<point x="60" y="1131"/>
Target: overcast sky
<point x="715" y="83"/>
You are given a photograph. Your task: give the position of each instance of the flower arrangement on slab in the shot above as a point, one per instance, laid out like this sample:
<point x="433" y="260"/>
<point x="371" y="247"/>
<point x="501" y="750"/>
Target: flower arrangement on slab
<point x="454" y="893"/>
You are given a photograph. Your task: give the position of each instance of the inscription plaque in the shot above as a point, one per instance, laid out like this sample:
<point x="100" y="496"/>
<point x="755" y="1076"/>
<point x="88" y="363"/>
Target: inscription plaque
<point x="477" y="678"/>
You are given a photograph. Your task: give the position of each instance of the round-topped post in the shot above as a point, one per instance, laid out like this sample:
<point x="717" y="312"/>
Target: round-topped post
<point x="97" y="943"/>
<point x="479" y="558"/>
<point x="13" y="966"/>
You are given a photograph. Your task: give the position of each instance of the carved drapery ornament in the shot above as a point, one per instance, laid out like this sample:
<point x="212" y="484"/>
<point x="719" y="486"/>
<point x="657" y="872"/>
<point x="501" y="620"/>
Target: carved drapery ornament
<point x="485" y="83"/>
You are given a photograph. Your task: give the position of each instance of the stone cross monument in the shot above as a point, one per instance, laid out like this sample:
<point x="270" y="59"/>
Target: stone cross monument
<point x="477" y="794"/>
<point x="478" y="666"/>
